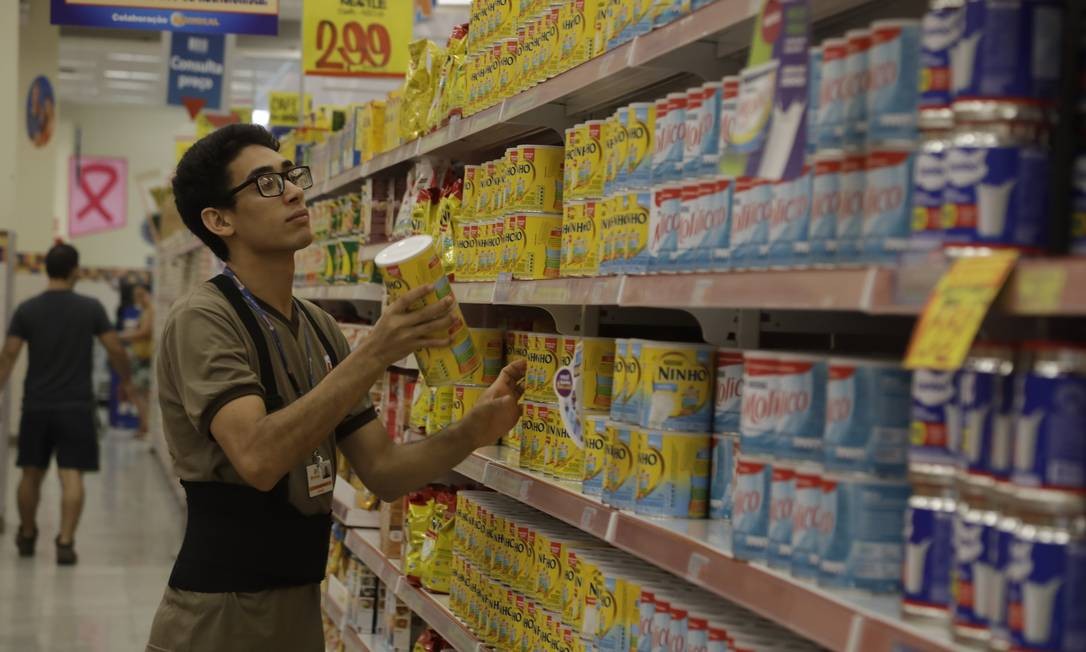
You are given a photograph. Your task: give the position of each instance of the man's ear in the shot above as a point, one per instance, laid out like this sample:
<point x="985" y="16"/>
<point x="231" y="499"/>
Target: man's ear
<point x="218" y="222"/>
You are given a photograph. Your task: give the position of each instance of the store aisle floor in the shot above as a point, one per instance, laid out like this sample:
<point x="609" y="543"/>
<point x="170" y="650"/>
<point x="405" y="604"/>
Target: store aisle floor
<point x="127" y="540"/>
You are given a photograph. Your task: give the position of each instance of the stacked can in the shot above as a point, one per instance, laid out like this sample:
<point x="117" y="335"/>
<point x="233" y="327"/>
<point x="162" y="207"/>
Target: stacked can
<point x="589" y="160"/>
<point x="727" y="411"/>
<point x="522" y="581"/>
<point x="1019" y="519"/>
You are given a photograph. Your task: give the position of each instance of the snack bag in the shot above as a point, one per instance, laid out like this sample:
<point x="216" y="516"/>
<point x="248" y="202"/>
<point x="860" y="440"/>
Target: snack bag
<point x="447" y="214"/>
<point x="420" y="505"/>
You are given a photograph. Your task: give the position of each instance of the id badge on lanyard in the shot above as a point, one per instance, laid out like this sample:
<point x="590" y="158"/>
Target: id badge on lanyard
<point x="319" y="476"/>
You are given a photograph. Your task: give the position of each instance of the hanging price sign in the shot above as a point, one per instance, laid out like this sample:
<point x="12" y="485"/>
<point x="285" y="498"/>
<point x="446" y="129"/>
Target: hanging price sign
<point x="955" y="310"/>
<point x="361" y="38"/>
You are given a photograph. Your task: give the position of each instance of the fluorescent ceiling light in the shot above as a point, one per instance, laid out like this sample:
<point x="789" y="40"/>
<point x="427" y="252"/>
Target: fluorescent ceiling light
<point x="261" y="117"/>
<point x="128" y="85"/>
<point x="134" y="58"/>
<point x="134" y="75"/>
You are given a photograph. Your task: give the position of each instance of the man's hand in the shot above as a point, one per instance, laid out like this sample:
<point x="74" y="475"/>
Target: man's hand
<point x="401" y="331"/>
<point x="497" y="410"/>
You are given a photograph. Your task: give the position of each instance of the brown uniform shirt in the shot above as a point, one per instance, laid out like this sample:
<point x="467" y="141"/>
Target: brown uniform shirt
<point x="207" y="360"/>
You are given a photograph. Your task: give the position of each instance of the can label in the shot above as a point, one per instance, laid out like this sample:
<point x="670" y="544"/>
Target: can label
<point x="672" y="474"/>
<point x="939" y="30"/>
<point x="798" y="405"/>
<point x="590" y="161"/>
<point x="887" y="198"/>
<point x="634" y="369"/>
<point x="850" y="208"/>
<point x="782" y="498"/>
<point x="710" y="121"/>
<point x="935" y="428"/>
<point x="753" y="205"/>
<point x="971" y="574"/>
<point x="893" y="80"/>
<point x="618" y="384"/>
<point x="693" y="132"/>
<point x="634" y="222"/>
<point x="987" y="402"/>
<point x="875" y="543"/>
<point x="489" y="344"/>
<point x="725" y="451"/>
<point x="664" y="220"/>
<point x="758" y="427"/>
<point x="825" y="203"/>
<point x="541" y="254"/>
<point x="750" y="512"/>
<point x="831" y="96"/>
<point x="595" y="454"/>
<point x="677" y="387"/>
<point x="855" y="88"/>
<point x="997" y="195"/>
<point x="539" y="179"/>
<point x="789" y="220"/>
<point x="464" y="399"/>
<point x="640" y="132"/>
<point x="1049" y="450"/>
<point x="981" y="67"/>
<point x="621" y="482"/>
<point x="929" y="181"/>
<point x="727" y="410"/>
<point x="806" y="535"/>
<point x="1044" y="610"/>
<point x="668" y="141"/>
<point x="596" y="373"/>
<point x="929" y="553"/>
<point x="867" y="418"/>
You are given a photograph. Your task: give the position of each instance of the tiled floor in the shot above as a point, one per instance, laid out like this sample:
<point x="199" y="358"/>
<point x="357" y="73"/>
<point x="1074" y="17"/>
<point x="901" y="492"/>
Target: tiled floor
<point x="130" y="532"/>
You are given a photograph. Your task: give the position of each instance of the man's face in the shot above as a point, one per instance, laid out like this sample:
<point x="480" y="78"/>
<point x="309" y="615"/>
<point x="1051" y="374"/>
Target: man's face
<point x="267" y="224"/>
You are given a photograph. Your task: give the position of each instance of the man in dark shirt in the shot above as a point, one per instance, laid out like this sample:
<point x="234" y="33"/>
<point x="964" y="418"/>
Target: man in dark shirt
<point x="58" y="403"/>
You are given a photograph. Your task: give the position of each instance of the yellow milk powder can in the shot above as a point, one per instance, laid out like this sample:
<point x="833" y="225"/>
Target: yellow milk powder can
<point x="411" y="263"/>
<point x="591" y="169"/>
<point x="672" y="474"/>
<point x="539" y="178"/>
<point x="571" y="216"/>
<point x="677" y="386"/>
<point x="597" y="373"/>
<point x="594" y="427"/>
<point x="489" y="345"/>
<point x="464" y="398"/>
<point x="541" y="254"/>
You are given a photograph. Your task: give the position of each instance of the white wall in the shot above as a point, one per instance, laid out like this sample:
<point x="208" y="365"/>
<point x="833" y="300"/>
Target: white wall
<point x="144" y="136"/>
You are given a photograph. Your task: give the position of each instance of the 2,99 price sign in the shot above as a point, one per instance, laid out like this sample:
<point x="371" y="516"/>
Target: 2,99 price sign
<point x="359" y="38"/>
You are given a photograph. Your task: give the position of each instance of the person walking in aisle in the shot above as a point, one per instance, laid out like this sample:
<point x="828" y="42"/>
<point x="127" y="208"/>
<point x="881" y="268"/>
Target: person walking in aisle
<point x="257" y="389"/>
<point x="139" y="343"/>
<point x="59" y="327"/>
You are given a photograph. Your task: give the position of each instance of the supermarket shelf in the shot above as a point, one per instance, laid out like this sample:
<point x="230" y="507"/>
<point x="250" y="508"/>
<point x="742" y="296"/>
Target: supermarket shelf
<point x="355" y="642"/>
<point x="334" y="601"/>
<point x="714" y="31"/>
<point x="433" y="609"/>
<point x="699" y="551"/>
<point x="344" y="510"/>
<point x="1041" y="286"/>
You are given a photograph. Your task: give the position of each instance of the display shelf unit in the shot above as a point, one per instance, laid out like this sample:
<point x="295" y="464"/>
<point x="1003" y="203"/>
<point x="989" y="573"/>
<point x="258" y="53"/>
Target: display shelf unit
<point x="355" y="642"/>
<point x="1037" y="287"/>
<point x="431" y="608"/>
<point x="693" y="44"/>
<point x="334" y="604"/>
<point x="698" y="550"/>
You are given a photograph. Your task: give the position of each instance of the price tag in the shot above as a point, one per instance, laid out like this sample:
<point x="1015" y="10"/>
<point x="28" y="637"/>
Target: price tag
<point x="1040" y="289"/>
<point x="285" y="108"/>
<point x="955" y="310"/>
<point x="356" y="39"/>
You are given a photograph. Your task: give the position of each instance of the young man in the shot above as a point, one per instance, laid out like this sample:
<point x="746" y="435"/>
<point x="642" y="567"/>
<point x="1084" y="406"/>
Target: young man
<point x="257" y="390"/>
<point x="58" y="402"/>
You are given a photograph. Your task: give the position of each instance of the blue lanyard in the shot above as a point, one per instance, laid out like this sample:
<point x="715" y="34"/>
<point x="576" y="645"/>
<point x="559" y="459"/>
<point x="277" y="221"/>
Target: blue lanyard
<point x="270" y="324"/>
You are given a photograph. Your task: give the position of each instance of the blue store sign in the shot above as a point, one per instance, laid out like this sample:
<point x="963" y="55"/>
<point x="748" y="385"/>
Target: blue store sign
<point x="200" y="16"/>
<point x="197" y="65"/>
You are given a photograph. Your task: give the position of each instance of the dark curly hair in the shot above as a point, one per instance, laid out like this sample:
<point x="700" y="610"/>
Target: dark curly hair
<point x="203" y="177"/>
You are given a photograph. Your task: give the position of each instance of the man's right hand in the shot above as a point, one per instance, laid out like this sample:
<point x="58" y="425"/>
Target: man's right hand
<point x="401" y="331"/>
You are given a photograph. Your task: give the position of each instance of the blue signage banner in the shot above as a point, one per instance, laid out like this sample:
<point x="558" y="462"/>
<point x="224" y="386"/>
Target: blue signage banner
<point x="197" y="65"/>
<point x="199" y="16"/>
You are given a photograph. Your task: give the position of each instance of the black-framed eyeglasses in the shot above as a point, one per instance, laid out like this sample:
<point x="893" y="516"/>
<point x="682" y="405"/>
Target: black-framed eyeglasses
<point x="272" y="184"/>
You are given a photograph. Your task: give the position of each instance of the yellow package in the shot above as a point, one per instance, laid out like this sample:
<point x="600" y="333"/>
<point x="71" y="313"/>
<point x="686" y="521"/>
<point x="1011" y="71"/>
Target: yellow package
<point x="509" y="65"/>
<point x="416" y="521"/>
<point x="464" y="399"/>
<point x="579" y="31"/>
<point x="573" y="215"/>
<point x="576" y="137"/>
<point x="460" y="235"/>
<point x="442" y="226"/>
<point x="418" y="87"/>
<point x="635" y="216"/>
<point x="441" y="409"/>
<point x="542" y="249"/>
<point x="491" y="205"/>
<point x="594" y="428"/>
<point x="509" y="169"/>
<point x="489" y="344"/>
<point x="468" y="201"/>
<point x="597" y="373"/>
<point x="393" y="109"/>
<point x="580" y="227"/>
<point x="539" y="178"/>
<point x="448" y="78"/>
<point x="437" y="545"/>
<point x="370" y="129"/>
<point x="420" y="405"/>
<point x="591" y="169"/>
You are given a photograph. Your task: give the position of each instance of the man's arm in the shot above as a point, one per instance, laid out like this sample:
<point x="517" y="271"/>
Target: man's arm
<point x="390" y="470"/>
<point x="12" y="346"/>
<point x="118" y="359"/>
<point x="264" y="447"/>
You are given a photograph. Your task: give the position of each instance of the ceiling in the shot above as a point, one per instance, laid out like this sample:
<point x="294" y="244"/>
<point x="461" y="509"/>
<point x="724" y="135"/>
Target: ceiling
<point x="113" y="66"/>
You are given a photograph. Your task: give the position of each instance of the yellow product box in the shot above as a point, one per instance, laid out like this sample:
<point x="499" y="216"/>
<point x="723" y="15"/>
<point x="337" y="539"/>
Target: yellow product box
<point x="370" y="128"/>
<point x="420" y="405"/>
<point x="550" y="41"/>
<point x="594" y="428"/>
<point x="591" y="169"/>
<point x="635" y="216"/>
<point x="530" y="430"/>
<point x="579" y="32"/>
<point x="597" y="373"/>
<point x="539" y="178"/>
<point x="548" y="353"/>
<point x="615" y="146"/>
<point x="495" y="180"/>
<point x="464" y="398"/>
<point x="468" y="198"/>
<point x="462" y="248"/>
<point x="510" y="83"/>
<point x="510" y="165"/>
<point x="677" y="386"/>
<point x="672" y="474"/>
<point x="572" y="215"/>
<point x="440" y="415"/>
<point x="482" y="191"/>
<point x="640" y="132"/>
<point x="472" y="70"/>
<point x="570" y="186"/>
<point x="484" y="269"/>
<point x="489" y="343"/>
<point x="581" y="240"/>
<point x="541" y="255"/>
<point x="525" y="51"/>
<point x="411" y="263"/>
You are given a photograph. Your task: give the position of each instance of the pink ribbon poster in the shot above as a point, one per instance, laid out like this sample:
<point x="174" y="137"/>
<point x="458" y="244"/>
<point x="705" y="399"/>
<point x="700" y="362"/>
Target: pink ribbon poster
<point x="97" y="194"/>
